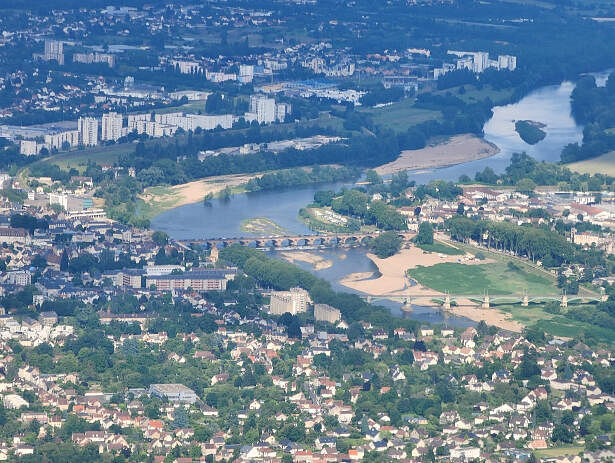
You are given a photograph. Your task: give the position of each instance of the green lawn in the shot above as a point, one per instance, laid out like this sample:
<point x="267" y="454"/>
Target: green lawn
<point x="400" y="116"/>
<point x="557" y="324"/>
<point x="441" y="248"/>
<point x="98" y="154"/>
<point x="559" y="451"/>
<point x="472" y="94"/>
<point x="495" y="278"/>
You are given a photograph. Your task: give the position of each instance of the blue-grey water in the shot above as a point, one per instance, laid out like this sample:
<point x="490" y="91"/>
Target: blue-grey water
<point x="354" y="260"/>
<point x="548" y="105"/>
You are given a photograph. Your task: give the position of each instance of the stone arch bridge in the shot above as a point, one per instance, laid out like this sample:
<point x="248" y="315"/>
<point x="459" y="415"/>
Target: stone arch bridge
<point x="290" y="241"/>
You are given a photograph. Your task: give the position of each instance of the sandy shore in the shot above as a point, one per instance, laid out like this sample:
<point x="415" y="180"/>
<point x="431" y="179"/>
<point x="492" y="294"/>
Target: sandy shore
<point x="456" y="150"/>
<point x="393" y="280"/>
<point x="490" y="316"/>
<point x="161" y="199"/>
<point x="317" y="262"/>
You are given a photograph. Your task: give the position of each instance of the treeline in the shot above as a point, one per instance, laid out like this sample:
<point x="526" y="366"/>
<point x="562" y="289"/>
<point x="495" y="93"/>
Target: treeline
<point x="593" y="107"/>
<point x="300" y="176"/>
<point x="524" y="167"/>
<point x="357" y="204"/>
<point x="459" y="117"/>
<point x="380" y="95"/>
<point x="281" y="275"/>
<point x="360" y="150"/>
<point x="537" y="244"/>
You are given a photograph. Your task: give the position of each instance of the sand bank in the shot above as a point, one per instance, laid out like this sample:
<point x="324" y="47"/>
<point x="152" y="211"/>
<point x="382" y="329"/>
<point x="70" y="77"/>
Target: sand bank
<point x="456" y="150"/>
<point x="490" y="316"/>
<point x="393" y="280"/>
<point x="160" y="199"/>
<point x="317" y="262"/>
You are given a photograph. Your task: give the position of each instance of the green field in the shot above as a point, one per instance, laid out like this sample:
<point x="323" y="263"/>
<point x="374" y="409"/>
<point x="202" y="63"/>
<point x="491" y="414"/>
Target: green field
<point x="441" y="248"/>
<point x="99" y="154"/>
<point x="556" y="325"/>
<point x="472" y="94"/>
<point x="400" y="116"/>
<point x="559" y="452"/>
<point x="495" y="278"/>
<point x="604" y="164"/>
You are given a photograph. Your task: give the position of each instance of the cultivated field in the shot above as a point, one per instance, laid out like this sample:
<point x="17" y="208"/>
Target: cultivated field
<point x="604" y="164"/>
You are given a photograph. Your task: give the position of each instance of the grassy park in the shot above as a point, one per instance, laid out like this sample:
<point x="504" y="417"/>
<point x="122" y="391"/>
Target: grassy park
<point x="494" y="277"/>
<point x="401" y="116"/>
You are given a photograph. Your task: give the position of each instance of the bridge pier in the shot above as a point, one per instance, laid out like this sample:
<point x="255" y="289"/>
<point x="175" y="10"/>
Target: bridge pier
<point x="564" y="302"/>
<point x="525" y="301"/>
<point x="485" y="304"/>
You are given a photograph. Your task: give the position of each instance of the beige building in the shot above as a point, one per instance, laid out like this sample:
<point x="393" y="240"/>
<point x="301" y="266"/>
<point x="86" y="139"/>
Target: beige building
<point x="326" y="313"/>
<point x="294" y="301"/>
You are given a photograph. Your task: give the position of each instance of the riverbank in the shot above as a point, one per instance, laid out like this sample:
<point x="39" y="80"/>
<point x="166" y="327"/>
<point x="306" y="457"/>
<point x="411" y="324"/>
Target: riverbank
<point x="393" y="279"/>
<point x="158" y="199"/>
<point x="316" y="261"/>
<point x="456" y="150"/>
<point x="493" y="317"/>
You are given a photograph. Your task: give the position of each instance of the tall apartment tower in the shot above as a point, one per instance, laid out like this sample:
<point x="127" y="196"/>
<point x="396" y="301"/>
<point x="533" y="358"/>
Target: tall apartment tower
<point x="111" y="126"/>
<point x="264" y="108"/>
<point x="88" y="131"/>
<point x="54" y="50"/>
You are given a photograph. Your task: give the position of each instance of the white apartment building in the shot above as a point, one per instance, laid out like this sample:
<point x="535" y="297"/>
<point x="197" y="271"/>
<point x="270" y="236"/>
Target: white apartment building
<point x="111" y="126"/>
<point x="30" y="147"/>
<point x="294" y="301"/>
<point x="54" y="50"/>
<point x="88" y="131"/>
<point x="263" y="108"/>
<point x="326" y="313"/>
<point x="246" y="73"/>
<point x="60" y="139"/>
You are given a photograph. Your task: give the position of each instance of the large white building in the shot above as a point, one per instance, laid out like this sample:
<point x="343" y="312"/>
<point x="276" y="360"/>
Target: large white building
<point x="264" y="108"/>
<point x="294" y="301"/>
<point x="61" y="140"/>
<point x="88" y="131"/>
<point x="54" y="50"/>
<point x="326" y="313"/>
<point x="111" y="126"/>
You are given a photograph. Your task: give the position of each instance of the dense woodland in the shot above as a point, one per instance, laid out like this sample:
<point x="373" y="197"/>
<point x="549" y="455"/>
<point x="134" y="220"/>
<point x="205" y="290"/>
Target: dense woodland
<point x="593" y="107"/>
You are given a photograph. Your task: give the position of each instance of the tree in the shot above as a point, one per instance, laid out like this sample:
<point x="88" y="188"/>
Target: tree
<point x="64" y="261"/>
<point x="562" y="433"/>
<point x="387" y="244"/>
<point x="526" y="186"/>
<point x="160" y="238"/>
<point x="372" y="177"/>
<point x="425" y="235"/>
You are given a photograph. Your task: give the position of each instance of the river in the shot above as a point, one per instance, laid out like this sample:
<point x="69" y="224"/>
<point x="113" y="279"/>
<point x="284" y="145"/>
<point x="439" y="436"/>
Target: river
<point x="548" y="105"/>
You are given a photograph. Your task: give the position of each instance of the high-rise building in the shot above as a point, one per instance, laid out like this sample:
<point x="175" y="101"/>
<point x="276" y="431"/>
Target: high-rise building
<point x="293" y="301"/>
<point x="246" y="73"/>
<point x="88" y="131"/>
<point x="54" y="50"/>
<point x="326" y="313"/>
<point x="481" y="61"/>
<point x="264" y="108"/>
<point x="111" y="126"/>
<point x="507" y="62"/>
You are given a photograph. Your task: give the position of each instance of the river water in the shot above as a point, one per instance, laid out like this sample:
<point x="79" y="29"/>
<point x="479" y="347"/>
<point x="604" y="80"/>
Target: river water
<point x="548" y="105"/>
